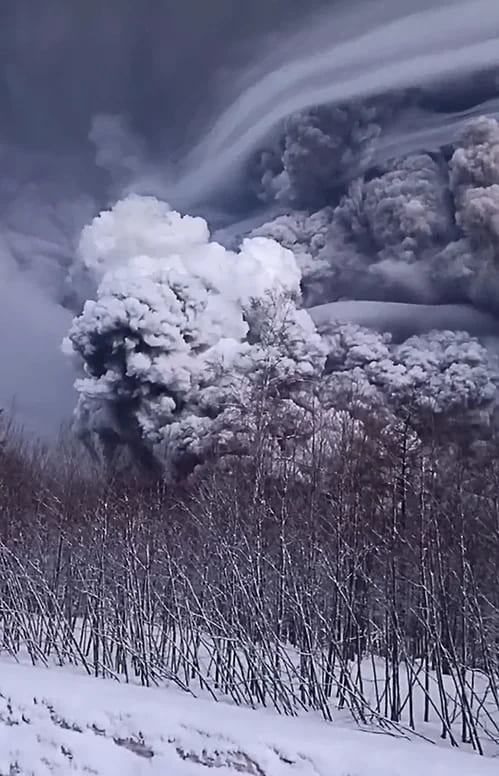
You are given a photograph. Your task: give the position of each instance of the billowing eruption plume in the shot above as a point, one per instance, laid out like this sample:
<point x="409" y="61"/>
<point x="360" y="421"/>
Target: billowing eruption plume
<point x="423" y="230"/>
<point x="184" y="333"/>
<point x="180" y="329"/>
<point x="320" y="149"/>
<point x="338" y="150"/>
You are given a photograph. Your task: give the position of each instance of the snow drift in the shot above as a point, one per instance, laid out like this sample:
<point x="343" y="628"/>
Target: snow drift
<point x="57" y="722"/>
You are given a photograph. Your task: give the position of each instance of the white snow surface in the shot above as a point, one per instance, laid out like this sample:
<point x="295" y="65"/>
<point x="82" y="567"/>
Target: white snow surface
<point x="53" y="721"/>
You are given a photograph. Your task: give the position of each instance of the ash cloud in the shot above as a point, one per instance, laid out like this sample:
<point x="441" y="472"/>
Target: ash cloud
<point x="175" y="337"/>
<point x="93" y="97"/>
<point x="381" y="200"/>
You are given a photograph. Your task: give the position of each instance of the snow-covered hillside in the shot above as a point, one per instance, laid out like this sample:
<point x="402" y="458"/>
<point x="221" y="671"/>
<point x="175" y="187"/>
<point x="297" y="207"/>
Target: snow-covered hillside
<point x="56" y="722"/>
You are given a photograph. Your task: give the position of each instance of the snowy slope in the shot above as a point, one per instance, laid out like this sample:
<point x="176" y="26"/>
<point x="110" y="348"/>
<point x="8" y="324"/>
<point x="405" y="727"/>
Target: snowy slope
<point x="55" y="722"/>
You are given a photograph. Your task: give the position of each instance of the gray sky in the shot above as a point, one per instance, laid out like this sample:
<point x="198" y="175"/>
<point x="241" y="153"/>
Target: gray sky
<point x="160" y="61"/>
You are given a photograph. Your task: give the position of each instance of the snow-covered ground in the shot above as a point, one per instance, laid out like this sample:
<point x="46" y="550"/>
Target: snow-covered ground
<point x="56" y="722"/>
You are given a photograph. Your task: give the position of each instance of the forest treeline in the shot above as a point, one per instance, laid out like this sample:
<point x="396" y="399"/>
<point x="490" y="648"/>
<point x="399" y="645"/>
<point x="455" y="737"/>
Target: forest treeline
<point x="359" y="577"/>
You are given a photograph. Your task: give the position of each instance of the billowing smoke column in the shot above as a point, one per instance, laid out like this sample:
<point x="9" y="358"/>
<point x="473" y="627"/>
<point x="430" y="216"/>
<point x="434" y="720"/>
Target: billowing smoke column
<point x="320" y="149"/>
<point x="180" y="330"/>
<point x="183" y="332"/>
<point x="346" y="130"/>
<point x="423" y="230"/>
